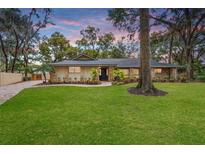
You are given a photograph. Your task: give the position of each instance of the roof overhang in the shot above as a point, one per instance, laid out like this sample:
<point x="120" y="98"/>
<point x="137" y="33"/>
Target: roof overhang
<point x="84" y="65"/>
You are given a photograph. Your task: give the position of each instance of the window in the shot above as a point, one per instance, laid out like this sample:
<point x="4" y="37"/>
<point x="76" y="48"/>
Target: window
<point x="157" y="70"/>
<point x="74" y="70"/>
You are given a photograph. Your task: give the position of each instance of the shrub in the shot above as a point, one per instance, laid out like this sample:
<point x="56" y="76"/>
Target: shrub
<point x="118" y="75"/>
<point x="117" y="83"/>
<point x="81" y="78"/>
<point x="182" y="78"/>
<point x="94" y="74"/>
<point x="25" y="78"/>
<point x="125" y="81"/>
<point x="201" y="76"/>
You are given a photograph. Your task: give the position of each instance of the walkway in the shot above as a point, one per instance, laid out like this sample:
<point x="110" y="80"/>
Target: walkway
<point x="103" y="84"/>
<point x="8" y="91"/>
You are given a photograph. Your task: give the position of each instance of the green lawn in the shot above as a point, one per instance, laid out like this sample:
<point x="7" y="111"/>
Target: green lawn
<point x="105" y="115"/>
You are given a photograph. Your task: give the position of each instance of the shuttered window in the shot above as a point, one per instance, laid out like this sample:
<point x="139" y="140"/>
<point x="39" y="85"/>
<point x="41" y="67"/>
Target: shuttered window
<point x="157" y="70"/>
<point x="74" y="69"/>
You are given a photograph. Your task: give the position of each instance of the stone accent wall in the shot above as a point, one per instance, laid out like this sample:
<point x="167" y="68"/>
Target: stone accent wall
<point x="9" y="78"/>
<point x="165" y="73"/>
<point x="62" y="73"/>
<point x="130" y="72"/>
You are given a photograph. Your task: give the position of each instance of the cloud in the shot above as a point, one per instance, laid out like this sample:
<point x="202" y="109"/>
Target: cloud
<point x="69" y="22"/>
<point x="65" y="21"/>
<point x="48" y="26"/>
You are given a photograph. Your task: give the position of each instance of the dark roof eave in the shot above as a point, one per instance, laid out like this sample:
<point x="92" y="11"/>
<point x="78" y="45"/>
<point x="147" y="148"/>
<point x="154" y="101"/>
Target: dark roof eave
<point x="113" y="65"/>
<point x="82" y="65"/>
<point x="151" y="67"/>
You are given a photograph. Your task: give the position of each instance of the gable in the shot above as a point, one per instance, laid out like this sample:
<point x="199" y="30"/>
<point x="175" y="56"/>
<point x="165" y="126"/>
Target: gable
<point x="83" y="57"/>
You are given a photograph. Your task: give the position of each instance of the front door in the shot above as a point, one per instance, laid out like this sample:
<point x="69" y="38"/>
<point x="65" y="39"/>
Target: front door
<point x="103" y="76"/>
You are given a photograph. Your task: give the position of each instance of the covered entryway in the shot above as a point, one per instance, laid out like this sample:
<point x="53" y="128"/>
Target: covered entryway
<point x="104" y="74"/>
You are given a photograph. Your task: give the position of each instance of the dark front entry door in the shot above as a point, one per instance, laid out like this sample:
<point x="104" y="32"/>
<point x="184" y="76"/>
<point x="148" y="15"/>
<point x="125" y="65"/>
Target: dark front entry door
<point x="103" y="76"/>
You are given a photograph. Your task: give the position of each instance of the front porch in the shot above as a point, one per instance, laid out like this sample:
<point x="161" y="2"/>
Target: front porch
<point x="80" y="73"/>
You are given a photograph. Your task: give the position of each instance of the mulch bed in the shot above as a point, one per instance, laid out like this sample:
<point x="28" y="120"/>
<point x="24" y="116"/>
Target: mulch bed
<point x="140" y="91"/>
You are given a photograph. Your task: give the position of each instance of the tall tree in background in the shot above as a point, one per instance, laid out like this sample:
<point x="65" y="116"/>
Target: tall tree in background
<point x="189" y="25"/>
<point x="11" y="25"/>
<point x="128" y="19"/>
<point x="4" y="52"/>
<point x="82" y="44"/>
<point x="119" y="49"/>
<point x="34" y="22"/>
<point x="90" y="36"/>
<point x="56" y="48"/>
<point x="105" y="44"/>
<point x="19" y="34"/>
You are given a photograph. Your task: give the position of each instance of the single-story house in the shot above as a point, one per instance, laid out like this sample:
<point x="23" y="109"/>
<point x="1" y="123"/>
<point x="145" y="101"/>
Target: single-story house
<point x="80" y="67"/>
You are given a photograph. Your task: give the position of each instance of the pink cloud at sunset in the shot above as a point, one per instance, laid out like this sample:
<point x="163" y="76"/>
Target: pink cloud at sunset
<point x="62" y="20"/>
<point x="70" y="22"/>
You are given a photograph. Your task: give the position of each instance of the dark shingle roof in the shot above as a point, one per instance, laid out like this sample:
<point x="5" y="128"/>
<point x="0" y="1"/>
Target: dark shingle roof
<point x="121" y="62"/>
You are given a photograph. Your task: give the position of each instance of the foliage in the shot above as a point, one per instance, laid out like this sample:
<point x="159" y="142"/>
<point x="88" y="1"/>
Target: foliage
<point x="89" y="38"/>
<point x="19" y="35"/>
<point x="188" y="25"/>
<point x="128" y="19"/>
<point x="105" y="44"/>
<point x="26" y="78"/>
<point x="91" y="53"/>
<point x="118" y="74"/>
<point x="82" y="44"/>
<point x="200" y="71"/>
<point x="56" y="48"/>
<point x="94" y="74"/>
<point x="44" y="68"/>
<point x="125" y="81"/>
<point x="125" y="19"/>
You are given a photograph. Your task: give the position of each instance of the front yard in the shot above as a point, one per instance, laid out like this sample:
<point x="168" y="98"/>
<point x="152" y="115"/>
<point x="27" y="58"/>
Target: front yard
<point x="104" y="115"/>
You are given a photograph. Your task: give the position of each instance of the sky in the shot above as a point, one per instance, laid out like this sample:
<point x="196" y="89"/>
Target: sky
<point x="71" y="21"/>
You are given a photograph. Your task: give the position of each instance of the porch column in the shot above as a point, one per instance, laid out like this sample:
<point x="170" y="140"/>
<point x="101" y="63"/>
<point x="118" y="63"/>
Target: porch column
<point x="99" y="73"/>
<point x="110" y="77"/>
<point x="130" y="73"/>
<point x="152" y="73"/>
<point x="174" y="73"/>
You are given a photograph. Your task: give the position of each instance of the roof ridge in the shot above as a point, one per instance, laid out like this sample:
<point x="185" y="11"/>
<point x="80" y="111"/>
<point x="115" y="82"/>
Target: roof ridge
<point x="82" y="54"/>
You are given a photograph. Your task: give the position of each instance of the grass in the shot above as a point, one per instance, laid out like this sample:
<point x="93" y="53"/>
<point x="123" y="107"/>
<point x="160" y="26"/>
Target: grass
<point x="104" y="115"/>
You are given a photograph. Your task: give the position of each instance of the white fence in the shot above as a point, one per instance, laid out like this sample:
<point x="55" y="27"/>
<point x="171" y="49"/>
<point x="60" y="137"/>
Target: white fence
<point x="9" y="78"/>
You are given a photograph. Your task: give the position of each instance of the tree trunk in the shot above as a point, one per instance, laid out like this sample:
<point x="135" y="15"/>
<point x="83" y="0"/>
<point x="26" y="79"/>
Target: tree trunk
<point x="145" y="86"/>
<point x="44" y="75"/>
<point x="14" y="60"/>
<point x="5" y="54"/>
<point x="170" y="53"/>
<point x="16" y="51"/>
<point x="26" y="68"/>
<point x="189" y="63"/>
<point x="145" y="82"/>
<point x="170" y="49"/>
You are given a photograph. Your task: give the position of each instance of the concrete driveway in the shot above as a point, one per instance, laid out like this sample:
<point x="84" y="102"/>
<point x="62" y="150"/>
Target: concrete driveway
<point x="8" y="91"/>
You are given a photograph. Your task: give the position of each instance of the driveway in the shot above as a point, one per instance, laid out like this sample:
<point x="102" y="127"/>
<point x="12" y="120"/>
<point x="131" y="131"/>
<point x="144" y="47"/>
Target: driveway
<point x="8" y="91"/>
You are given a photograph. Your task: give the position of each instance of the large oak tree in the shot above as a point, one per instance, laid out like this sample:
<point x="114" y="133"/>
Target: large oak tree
<point x="131" y="20"/>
